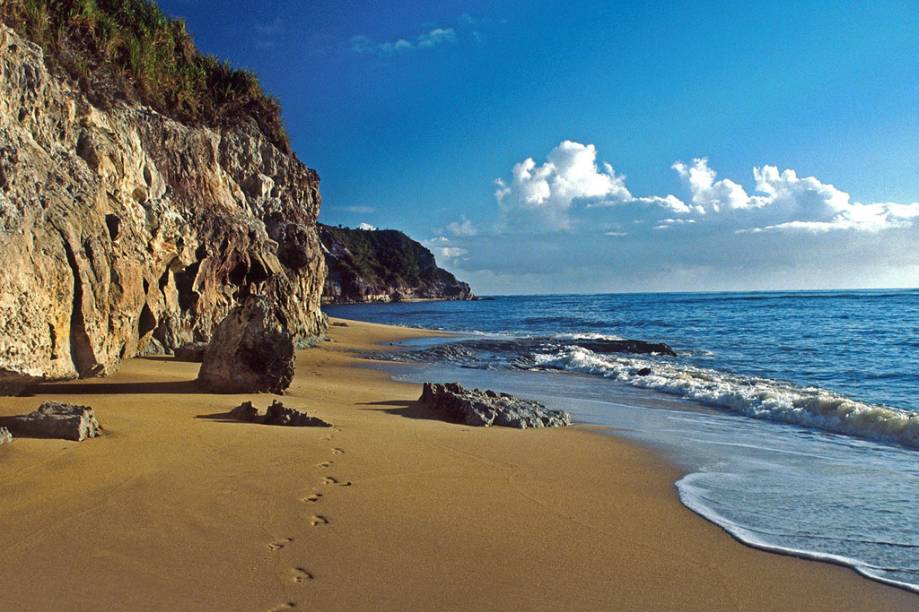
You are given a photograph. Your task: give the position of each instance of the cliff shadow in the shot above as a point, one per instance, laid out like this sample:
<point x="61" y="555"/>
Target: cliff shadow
<point x="113" y="388"/>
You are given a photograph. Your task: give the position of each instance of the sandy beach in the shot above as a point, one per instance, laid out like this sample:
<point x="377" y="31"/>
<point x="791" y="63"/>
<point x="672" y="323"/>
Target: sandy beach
<point x="177" y="509"/>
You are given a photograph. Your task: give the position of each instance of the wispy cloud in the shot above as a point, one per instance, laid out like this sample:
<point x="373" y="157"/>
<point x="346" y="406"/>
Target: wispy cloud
<point x="357" y="210"/>
<point x="435" y="37"/>
<point x="267" y="33"/>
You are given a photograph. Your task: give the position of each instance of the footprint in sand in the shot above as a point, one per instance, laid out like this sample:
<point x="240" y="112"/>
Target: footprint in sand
<point x="298" y="575"/>
<point x="329" y="480"/>
<point x="279" y="544"/>
<point x="312" y="499"/>
<point x="317" y="519"/>
<point x="284" y="606"/>
<point x="337" y="451"/>
<point x="325" y="464"/>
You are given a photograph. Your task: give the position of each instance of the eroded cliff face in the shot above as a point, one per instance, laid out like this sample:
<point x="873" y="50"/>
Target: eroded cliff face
<point x="125" y="232"/>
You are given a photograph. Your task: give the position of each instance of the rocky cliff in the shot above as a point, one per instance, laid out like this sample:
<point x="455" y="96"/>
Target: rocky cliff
<point x="383" y="266"/>
<point x="126" y="231"/>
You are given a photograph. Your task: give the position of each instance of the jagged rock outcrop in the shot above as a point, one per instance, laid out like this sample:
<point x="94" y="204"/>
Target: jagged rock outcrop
<point x="279" y="414"/>
<point x="486" y="408"/>
<point x="383" y="266"/>
<point x="125" y="232"/>
<point x="55" y="420"/>
<point x="251" y="351"/>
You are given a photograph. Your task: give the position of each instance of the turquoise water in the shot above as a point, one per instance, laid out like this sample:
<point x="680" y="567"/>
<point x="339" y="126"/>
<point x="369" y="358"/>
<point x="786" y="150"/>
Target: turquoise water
<point x="795" y="415"/>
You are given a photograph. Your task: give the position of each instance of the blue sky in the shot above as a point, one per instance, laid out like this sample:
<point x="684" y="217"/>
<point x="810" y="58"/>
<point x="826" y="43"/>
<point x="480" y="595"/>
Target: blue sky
<point x="411" y="111"/>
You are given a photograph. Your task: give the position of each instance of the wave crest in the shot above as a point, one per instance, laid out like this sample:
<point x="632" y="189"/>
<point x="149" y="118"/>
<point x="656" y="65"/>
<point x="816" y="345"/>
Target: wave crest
<point x="751" y="396"/>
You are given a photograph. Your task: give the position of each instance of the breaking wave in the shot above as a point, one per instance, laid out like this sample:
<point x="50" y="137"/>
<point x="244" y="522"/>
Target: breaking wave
<point x="751" y="396"/>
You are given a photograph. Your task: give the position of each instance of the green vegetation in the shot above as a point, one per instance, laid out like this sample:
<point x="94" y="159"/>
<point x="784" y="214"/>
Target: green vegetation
<point x="129" y="49"/>
<point x="384" y="259"/>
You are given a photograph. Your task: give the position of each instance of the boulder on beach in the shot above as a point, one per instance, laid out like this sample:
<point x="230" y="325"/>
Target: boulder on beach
<point x="485" y="408"/>
<point x="251" y="351"/>
<point x="55" y="420"/>
<point x="191" y="351"/>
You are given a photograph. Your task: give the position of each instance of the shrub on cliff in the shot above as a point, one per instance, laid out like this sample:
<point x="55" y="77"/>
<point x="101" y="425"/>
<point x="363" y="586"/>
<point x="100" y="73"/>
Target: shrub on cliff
<point x="129" y="49"/>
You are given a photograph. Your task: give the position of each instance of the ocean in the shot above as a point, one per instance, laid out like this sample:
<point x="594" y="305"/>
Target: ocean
<point x="794" y="415"/>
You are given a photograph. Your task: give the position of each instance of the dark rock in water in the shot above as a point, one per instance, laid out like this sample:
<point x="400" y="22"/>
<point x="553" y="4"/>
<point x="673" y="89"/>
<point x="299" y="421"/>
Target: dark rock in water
<point x="644" y="372"/>
<point x="279" y="414"/>
<point x="5" y="436"/>
<point x="626" y="346"/>
<point x="251" y="351"/>
<point x="54" y="420"/>
<point x="486" y="408"/>
<point x="192" y="351"/>
<point x="245" y="412"/>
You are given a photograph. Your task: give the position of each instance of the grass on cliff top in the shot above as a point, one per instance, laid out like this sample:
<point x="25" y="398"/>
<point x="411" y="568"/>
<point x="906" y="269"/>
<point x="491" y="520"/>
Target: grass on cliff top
<point x="130" y="50"/>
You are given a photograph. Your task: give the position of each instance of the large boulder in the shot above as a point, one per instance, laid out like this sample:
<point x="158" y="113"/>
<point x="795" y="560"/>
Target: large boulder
<point x="55" y="420"/>
<point x="251" y="351"/>
<point x="485" y="408"/>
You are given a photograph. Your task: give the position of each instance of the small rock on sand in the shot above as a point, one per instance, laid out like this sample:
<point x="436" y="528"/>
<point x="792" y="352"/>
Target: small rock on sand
<point x="5" y="436"/>
<point x="279" y="414"/>
<point x="193" y="352"/>
<point x="245" y="412"/>
<point x="55" y="420"/>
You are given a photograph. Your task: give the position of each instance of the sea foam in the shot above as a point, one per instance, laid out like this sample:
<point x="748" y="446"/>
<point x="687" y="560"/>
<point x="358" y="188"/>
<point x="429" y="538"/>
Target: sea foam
<point x="751" y="396"/>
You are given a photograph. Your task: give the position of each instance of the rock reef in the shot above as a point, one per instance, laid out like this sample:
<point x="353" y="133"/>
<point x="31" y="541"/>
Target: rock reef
<point x="486" y="408"/>
<point x="126" y="232"/>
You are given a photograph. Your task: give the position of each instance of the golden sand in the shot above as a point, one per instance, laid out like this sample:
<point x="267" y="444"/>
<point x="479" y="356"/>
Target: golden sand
<point x="388" y="510"/>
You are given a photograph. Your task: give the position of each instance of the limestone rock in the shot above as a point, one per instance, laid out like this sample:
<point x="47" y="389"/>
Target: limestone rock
<point x="193" y="351"/>
<point x="251" y="351"/>
<point x="5" y="436"/>
<point x="55" y="420"/>
<point x="279" y="414"/>
<point x="486" y="408"/>
<point x="123" y="231"/>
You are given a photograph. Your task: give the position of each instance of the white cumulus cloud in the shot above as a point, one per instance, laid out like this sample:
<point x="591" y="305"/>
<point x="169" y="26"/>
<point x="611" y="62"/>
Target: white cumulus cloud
<point x="366" y="227"/>
<point x="570" y="174"/>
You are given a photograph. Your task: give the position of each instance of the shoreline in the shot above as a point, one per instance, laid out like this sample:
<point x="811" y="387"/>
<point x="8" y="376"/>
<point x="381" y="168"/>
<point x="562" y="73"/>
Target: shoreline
<point x="173" y="510"/>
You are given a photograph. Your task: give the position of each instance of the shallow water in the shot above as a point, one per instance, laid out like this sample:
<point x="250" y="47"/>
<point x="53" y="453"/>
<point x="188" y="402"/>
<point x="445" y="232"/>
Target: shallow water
<point x="806" y="367"/>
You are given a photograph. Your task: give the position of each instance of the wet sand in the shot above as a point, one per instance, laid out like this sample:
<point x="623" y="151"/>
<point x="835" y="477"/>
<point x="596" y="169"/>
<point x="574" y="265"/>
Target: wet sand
<point x="175" y="508"/>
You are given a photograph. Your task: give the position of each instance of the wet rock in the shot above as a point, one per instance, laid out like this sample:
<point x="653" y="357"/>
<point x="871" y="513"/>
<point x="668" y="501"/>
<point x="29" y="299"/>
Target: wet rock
<point x="626" y="346"/>
<point x="485" y="408"/>
<point x="279" y="414"/>
<point x="245" y="412"/>
<point x="643" y="372"/>
<point x="55" y="420"/>
<point x="5" y="436"/>
<point x="251" y="351"/>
